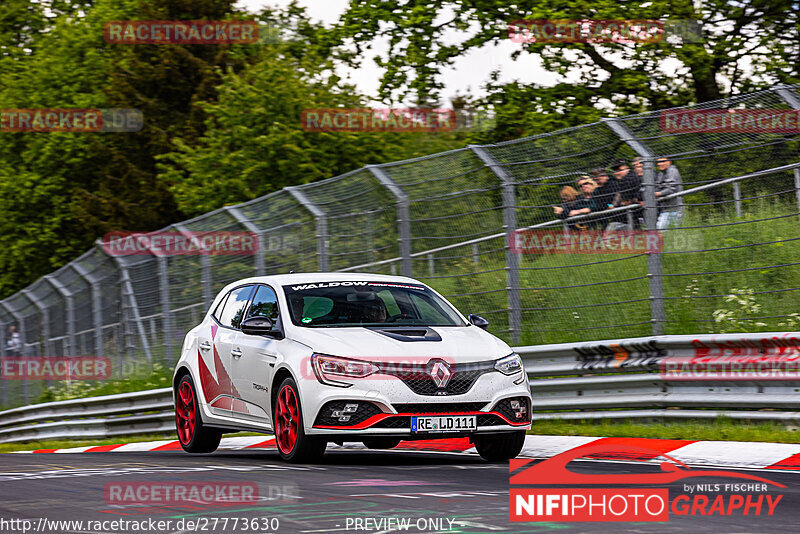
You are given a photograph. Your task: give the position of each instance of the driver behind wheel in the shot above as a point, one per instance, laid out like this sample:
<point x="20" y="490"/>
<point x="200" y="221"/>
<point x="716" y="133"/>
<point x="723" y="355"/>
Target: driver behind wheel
<point x="374" y="312"/>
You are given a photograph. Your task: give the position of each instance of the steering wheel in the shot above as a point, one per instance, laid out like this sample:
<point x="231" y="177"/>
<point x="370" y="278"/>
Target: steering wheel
<point x="397" y="316"/>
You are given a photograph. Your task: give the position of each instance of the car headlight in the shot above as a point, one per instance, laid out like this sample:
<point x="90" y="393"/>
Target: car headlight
<point x="509" y="365"/>
<point x="326" y="367"/>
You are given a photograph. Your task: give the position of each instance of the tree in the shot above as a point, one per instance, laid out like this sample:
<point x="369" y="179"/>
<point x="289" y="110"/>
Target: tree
<point x="618" y="77"/>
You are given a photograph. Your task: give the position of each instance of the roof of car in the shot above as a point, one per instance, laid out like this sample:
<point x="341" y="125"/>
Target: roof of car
<point x="308" y="278"/>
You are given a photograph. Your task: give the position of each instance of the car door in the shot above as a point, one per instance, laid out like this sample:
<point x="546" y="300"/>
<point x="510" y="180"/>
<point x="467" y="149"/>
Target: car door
<point x="225" y="395"/>
<point x="209" y="363"/>
<point x="252" y="371"/>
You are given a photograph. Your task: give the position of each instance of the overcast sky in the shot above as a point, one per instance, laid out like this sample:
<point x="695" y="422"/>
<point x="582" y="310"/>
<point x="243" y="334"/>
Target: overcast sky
<point x="468" y="74"/>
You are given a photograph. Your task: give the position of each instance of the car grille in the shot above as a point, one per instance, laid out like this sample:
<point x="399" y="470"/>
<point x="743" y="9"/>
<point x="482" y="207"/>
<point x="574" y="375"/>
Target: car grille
<point x="364" y="411"/>
<point x="404" y="421"/>
<point x="439" y="407"/>
<point x="504" y="407"/>
<point x="419" y="380"/>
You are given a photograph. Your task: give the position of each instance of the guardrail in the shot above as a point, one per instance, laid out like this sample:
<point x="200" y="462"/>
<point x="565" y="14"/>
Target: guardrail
<point x="142" y="412"/>
<point x="742" y="376"/>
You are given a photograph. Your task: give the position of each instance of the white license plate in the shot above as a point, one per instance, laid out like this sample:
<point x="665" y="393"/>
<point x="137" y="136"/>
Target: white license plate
<point x="443" y="423"/>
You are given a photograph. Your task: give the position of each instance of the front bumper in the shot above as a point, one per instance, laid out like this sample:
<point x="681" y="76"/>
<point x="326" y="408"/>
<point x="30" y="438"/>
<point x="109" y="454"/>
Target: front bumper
<point x="385" y="407"/>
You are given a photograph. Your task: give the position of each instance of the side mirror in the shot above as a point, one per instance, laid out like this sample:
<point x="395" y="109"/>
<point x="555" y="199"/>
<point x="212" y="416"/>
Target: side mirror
<point x="478" y="321"/>
<point x="260" y="326"/>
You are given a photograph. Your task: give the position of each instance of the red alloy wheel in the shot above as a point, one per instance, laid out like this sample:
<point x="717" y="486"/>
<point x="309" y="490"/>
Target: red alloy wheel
<point x="288" y="420"/>
<point x="185" y="413"/>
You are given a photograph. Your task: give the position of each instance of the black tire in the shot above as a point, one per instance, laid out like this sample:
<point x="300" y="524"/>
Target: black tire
<point x="500" y="448"/>
<point x="381" y="443"/>
<point x="301" y="448"/>
<point x="199" y="438"/>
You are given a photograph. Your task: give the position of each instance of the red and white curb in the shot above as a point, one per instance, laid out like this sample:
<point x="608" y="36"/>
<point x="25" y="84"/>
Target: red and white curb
<point x="751" y="455"/>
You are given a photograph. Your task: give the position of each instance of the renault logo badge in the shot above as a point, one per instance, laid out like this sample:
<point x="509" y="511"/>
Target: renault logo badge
<point x="440" y="373"/>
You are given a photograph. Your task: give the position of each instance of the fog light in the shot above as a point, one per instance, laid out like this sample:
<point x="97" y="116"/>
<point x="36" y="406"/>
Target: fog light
<point x="520" y="408"/>
<point x="350" y="408"/>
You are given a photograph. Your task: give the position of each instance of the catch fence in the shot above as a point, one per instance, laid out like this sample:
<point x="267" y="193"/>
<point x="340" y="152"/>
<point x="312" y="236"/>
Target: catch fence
<point x="450" y="219"/>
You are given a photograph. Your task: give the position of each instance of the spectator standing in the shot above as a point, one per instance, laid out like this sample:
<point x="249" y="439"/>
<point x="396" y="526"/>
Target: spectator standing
<point x="668" y="181"/>
<point x="629" y="185"/>
<point x="606" y="191"/>
<point x="14" y="342"/>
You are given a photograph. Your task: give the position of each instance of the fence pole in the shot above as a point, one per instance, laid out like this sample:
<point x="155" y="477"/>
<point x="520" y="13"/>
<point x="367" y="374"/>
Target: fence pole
<point x="251" y="227"/>
<point x="97" y="306"/>
<point x="403" y="216"/>
<point x="44" y="346"/>
<point x="737" y="198"/>
<point x="323" y="264"/>
<point x="510" y="227"/>
<point x="790" y="97"/>
<point x="3" y="383"/>
<point x="166" y="313"/>
<point x="69" y="300"/>
<point x="654" y="269"/>
<point x="126" y="287"/>
<point x="797" y="187"/>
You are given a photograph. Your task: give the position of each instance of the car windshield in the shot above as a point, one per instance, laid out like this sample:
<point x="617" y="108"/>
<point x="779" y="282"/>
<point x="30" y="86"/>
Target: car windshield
<point x="364" y="303"/>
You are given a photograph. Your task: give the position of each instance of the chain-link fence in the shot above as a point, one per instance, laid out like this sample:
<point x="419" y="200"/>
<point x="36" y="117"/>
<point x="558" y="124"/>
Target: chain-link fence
<point x="727" y="260"/>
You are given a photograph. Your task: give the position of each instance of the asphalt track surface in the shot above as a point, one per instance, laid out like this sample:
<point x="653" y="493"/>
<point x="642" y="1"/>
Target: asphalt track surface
<point x="327" y="497"/>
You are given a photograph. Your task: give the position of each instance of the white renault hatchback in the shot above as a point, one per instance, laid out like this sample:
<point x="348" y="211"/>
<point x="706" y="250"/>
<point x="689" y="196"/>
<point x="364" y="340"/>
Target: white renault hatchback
<point x="318" y="358"/>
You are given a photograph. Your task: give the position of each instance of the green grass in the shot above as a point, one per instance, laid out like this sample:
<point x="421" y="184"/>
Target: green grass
<point x="556" y="313"/>
<point x="720" y="429"/>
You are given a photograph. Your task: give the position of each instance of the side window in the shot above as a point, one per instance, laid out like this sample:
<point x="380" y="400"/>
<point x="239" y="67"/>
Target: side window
<point x="233" y="311"/>
<point x="218" y="311"/>
<point x="265" y="304"/>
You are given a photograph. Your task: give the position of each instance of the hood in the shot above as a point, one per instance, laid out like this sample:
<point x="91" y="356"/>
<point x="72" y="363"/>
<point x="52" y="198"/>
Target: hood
<point x="458" y="343"/>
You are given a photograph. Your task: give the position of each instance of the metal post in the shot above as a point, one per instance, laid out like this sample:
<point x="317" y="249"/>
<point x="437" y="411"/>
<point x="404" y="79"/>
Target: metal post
<point x="97" y="306"/>
<point x="788" y="96"/>
<point x="403" y="216"/>
<point x="737" y="198"/>
<point x="205" y="261"/>
<point x="242" y="219"/>
<point x="3" y="383"/>
<point x="797" y="187"/>
<point x="654" y="268"/>
<point x="431" y="266"/>
<point x="510" y="227"/>
<point x="127" y="293"/>
<point x="44" y="347"/>
<point x="475" y="255"/>
<point x="166" y="313"/>
<point x="69" y="300"/>
<point x="323" y="264"/>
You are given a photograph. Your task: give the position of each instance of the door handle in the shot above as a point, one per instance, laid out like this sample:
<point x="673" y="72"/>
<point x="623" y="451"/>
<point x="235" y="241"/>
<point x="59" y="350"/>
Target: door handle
<point x="236" y="353"/>
<point x="205" y="345"/>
